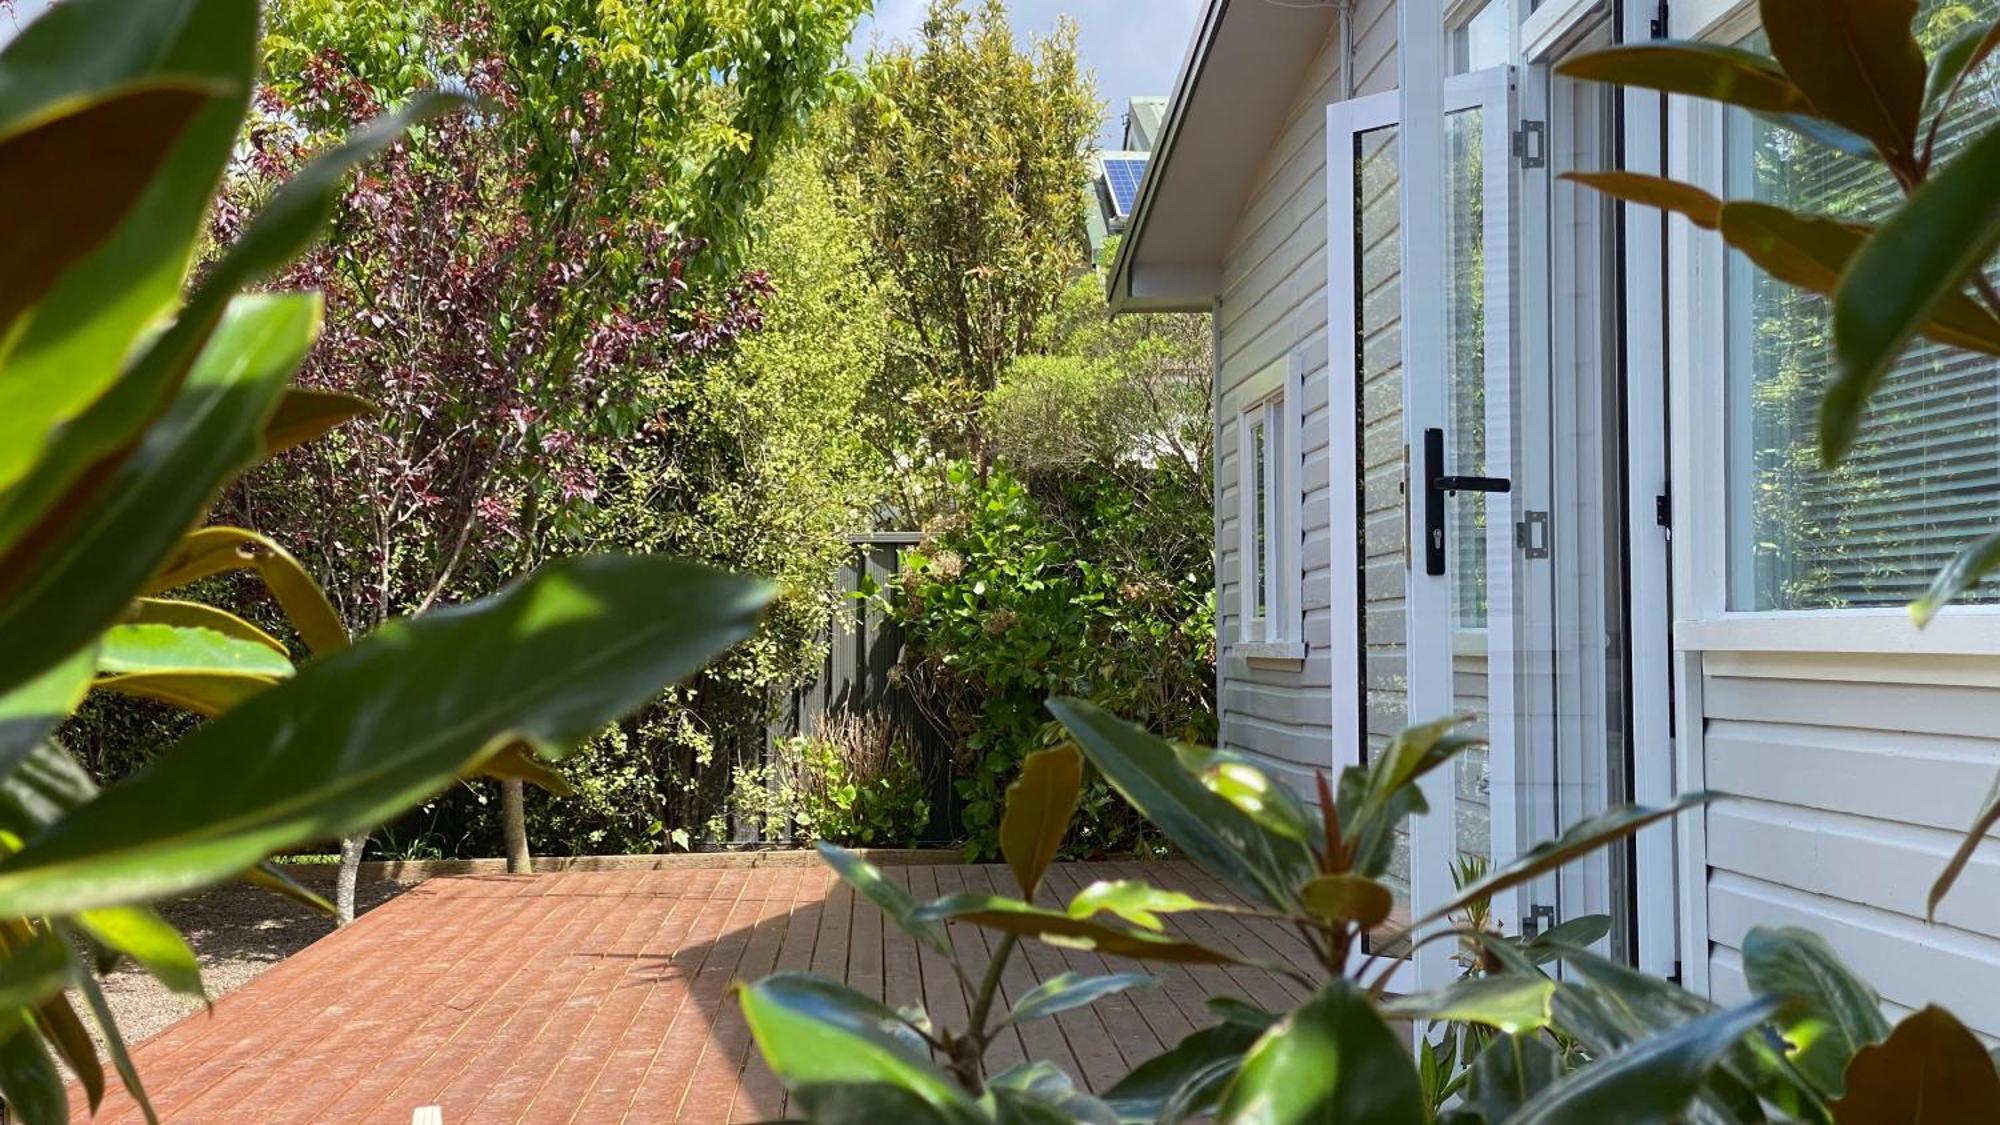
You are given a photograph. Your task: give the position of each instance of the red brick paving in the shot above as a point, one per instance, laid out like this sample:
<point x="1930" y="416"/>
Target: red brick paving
<point x="605" y="997"/>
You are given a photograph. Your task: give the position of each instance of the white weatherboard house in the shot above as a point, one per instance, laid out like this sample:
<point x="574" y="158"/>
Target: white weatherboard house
<point x="1488" y="442"/>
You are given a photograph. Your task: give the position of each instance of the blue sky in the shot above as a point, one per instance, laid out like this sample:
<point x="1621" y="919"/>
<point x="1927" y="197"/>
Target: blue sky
<point x="1134" y="46"/>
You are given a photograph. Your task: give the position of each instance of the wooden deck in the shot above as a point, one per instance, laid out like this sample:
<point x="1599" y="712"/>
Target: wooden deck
<point x="604" y="997"/>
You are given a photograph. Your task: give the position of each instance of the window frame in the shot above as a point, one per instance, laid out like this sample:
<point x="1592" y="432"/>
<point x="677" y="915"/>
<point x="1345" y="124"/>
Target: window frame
<point x="1270" y="398"/>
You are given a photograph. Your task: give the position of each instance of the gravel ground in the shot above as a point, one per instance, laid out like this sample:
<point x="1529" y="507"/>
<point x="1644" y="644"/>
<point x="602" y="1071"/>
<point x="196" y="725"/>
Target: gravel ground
<point x="237" y="931"/>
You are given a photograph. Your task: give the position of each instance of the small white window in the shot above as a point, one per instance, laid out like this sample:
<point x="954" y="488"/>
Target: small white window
<point x="1269" y="512"/>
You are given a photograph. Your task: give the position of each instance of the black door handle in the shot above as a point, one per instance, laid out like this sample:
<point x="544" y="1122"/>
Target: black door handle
<point x="1436" y="487"/>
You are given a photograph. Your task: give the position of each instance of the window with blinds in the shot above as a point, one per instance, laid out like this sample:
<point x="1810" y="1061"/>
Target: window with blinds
<point x="1925" y="477"/>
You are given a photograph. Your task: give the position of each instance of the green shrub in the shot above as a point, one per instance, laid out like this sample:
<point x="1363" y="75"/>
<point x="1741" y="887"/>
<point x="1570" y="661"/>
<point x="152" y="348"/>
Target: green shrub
<point x="853" y="781"/>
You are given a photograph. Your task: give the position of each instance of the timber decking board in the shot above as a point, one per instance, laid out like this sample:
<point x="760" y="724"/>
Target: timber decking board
<point x="605" y="996"/>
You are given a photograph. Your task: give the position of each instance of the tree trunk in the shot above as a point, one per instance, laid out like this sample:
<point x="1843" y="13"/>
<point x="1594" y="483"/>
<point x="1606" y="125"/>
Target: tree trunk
<point x="350" y="874"/>
<point x="514" y="825"/>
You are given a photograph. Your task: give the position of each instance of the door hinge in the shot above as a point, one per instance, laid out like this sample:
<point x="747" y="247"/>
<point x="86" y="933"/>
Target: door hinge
<point x="1531" y="534"/>
<point x="1531" y="144"/>
<point x="1660" y="24"/>
<point x="1663" y="512"/>
<point x="1540" y="920"/>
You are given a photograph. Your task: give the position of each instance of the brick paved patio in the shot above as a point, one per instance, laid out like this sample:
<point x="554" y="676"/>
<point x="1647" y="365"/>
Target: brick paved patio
<point x="604" y="997"/>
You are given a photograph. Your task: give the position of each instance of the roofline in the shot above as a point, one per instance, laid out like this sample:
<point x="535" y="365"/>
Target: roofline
<point x="1120" y="286"/>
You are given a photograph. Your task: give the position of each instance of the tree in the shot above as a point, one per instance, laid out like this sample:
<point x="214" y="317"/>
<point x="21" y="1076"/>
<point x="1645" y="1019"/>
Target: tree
<point x="971" y="169"/>
<point x="503" y="284"/>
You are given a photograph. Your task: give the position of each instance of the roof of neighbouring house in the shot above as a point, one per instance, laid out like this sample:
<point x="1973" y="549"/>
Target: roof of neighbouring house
<point x="1228" y="107"/>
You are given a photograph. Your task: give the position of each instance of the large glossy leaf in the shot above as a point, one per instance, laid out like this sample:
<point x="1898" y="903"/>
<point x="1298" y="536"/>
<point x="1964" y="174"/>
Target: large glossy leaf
<point x="518" y="761"/>
<point x="1582" y="838"/>
<point x="1702" y="70"/>
<point x="207" y="694"/>
<point x="139" y="933"/>
<point x="1857" y="61"/>
<point x="1213" y="832"/>
<point x="196" y="615"/>
<point x="72" y="176"/>
<point x="30" y="712"/>
<point x="1837" y="1013"/>
<point x="114" y="1042"/>
<point x="219" y="550"/>
<point x="1040" y="803"/>
<point x="1509" y="1073"/>
<point x="40" y="788"/>
<point x="1956" y="60"/>
<point x="1580" y="932"/>
<point x="34" y="967"/>
<point x="1065" y="991"/>
<point x="29" y="1081"/>
<point x="1016" y="917"/>
<point x="1513" y="1004"/>
<point x="74" y="345"/>
<point x="830" y="1047"/>
<point x="1330" y="1059"/>
<point x="1039" y="1092"/>
<point x="71" y="591"/>
<point x="71" y="1040"/>
<point x="304" y="414"/>
<point x="1354" y="899"/>
<point x="1913" y="270"/>
<point x="1701" y="208"/>
<point x="1136" y="902"/>
<point x="1191" y="1074"/>
<point x="363" y="733"/>
<point x="1652" y="1082"/>
<point x="169" y="648"/>
<point x="889" y="897"/>
<point x="1929" y="1071"/>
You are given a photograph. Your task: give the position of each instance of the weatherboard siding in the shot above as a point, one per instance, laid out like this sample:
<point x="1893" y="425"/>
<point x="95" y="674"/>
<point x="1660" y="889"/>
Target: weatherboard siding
<point x="1274" y="304"/>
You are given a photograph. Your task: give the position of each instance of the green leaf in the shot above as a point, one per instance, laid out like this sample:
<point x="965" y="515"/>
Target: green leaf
<point x="889" y="897"/>
<point x="1929" y="1071"/>
<point x="72" y="175"/>
<point x="304" y="414"/>
<point x="1040" y="1092"/>
<point x="1958" y="59"/>
<point x="207" y="694"/>
<point x="1513" y="1004"/>
<point x="1582" y="838"/>
<point x="195" y="615"/>
<point x="70" y="592"/>
<point x="1858" y="62"/>
<point x="1701" y="70"/>
<point x="518" y="761"/>
<point x="1973" y="562"/>
<point x="1136" y="902"/>
<point x="1580" y="932"/>
<point x="30" y="712"/>
<point x="363" y="733"/>
<point x="273" y="878"/>
<point x="1343" y="899"/>
<point x="1652" y="1082"/>
<point x="40" y="788"/>
<point x="220" y="550"/>
<point x="1701" y="208"/>
<point x="1989" y="814"/>
<point x="1071" y="990"/>
<point x="1913" y="270"/>
<point x="1509" y="1073"/>
<point x="1039" y="805"/>
<point x="1837" y="1014"/>
<point x="1330" y="1059"/>
<point x="29" y="1081"/>
<point x="831" y="1047"/>
<point x="1214" y="833"/>
<point x="166" y="648"/>
<point x="34" y="967"/>
<point x="1191" y="1073"/>
<point x="1016" y="917"/>
<point x="141" y="934"/>
<point x="65" y="1032"/>
<point x="114" y="1042"/>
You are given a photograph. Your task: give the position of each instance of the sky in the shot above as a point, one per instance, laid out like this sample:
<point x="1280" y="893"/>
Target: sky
<point x="1134" y="46"/>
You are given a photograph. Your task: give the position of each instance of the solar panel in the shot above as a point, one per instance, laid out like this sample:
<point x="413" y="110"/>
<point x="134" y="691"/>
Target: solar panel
<point x="1122" y="175"/>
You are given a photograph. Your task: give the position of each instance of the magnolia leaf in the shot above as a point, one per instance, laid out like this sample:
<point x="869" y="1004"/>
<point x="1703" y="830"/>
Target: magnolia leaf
<point x="114" y="1042"/>
<point x="1911" y="272"/>
<point x="1016" y="917"/>
<point x="196" y="615"/>
<point x="1136" y="902"/>
<point x="29" y="1080"/>
<point x="519" y="762"/>
<point x="1652" y="1082"/>
<point x="304" y="414"/>
<point x="145" y="937"/>
<point x="218" y="550"/>
<point x="1973" y="562"/>
<point x="68" y="593"/>
<point x="889" y="897"/>
<point x="1837" y="1013"/>
<point x="1343" y="899"/>
<point x="1701" y="208"/>
<point x="207" y="694"/>
<point x="170" y="648"/>
<point x="65" y="1032"/>
<point x="360" y="734"/>
<point x="1189" y="1074"/>
<point x="1929" y="1071"/>
<point x="1701" y="70"/>
<point x="1331" y="1059"/>
<point x="1039" y="805"/>
<point x="29" y="713"/>
<point x="1513" y="1004"/>
<point x="831" y="1048"/>
<point x="1509" y="1073"/>
<point x="1957" y="60"/>
<point x="1858" y="62"/>
<point x="34" y="967"/>
<point x="1072" y="990"/>
<point x="273" y="878"/>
